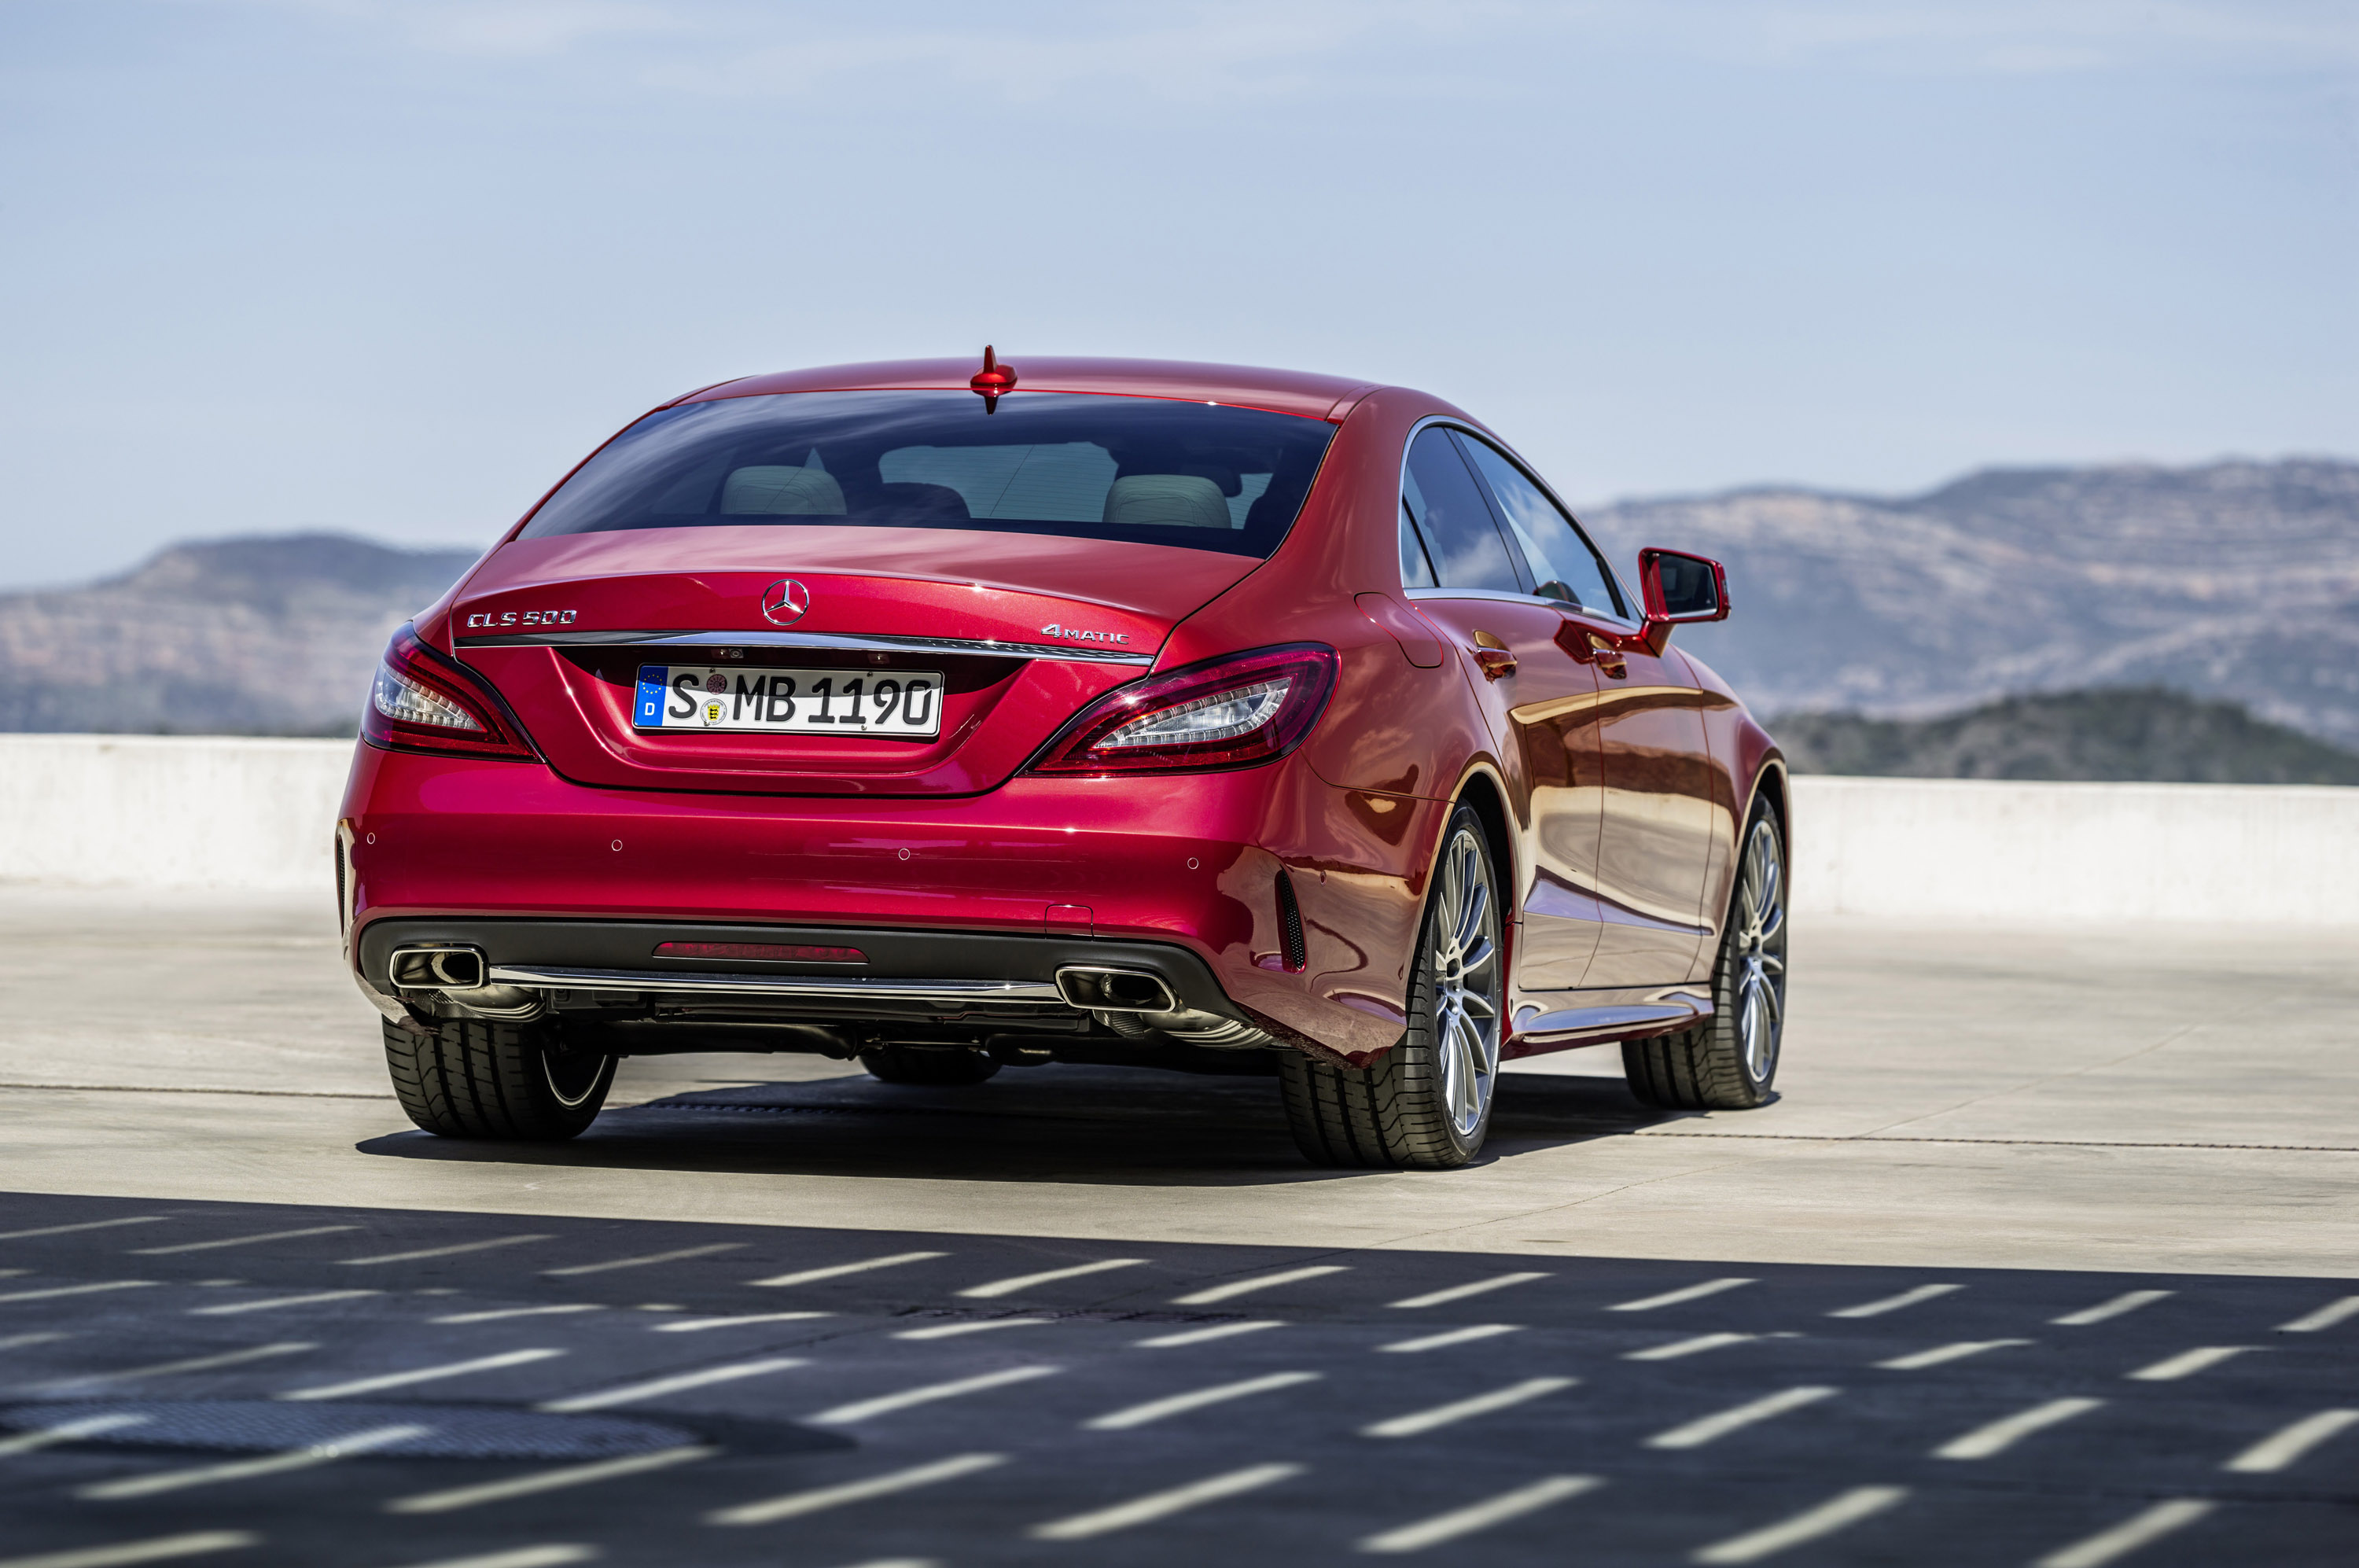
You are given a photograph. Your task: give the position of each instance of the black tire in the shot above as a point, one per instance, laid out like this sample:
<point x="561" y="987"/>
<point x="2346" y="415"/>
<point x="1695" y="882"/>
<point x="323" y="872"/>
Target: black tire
<point x="467" y="1078"/>
<point x="1398" y="1113"/>
<point x="924" y="1064"/>
<point x="1729" y="1061"/>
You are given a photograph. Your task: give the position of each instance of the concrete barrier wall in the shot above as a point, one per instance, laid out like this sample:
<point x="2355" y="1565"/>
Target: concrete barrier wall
<point x="1976" y="850"/>
<point x="172" y="812"/>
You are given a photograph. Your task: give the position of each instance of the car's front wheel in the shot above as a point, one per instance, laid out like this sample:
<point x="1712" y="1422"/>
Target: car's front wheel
<point x="474" y="1078"/>
<point x="1728" y="1062"/>
<point x="1426" y="1104"/>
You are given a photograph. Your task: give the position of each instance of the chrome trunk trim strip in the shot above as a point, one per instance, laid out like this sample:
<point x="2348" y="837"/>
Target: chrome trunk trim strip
<point x="844" y="641"/>
<point x="550" y="978"/>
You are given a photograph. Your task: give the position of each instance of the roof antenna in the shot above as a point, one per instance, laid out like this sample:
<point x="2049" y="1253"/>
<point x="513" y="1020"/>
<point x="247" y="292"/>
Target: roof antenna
<point x="993" y="379"/>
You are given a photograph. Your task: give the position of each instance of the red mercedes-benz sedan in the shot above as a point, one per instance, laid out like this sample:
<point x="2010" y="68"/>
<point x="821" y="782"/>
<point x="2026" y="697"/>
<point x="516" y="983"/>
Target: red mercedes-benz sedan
<point x="1116" y="712"/>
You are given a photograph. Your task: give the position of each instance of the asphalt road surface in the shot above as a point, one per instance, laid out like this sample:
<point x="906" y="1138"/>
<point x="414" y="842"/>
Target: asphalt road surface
<point x="2046" y="1256"/>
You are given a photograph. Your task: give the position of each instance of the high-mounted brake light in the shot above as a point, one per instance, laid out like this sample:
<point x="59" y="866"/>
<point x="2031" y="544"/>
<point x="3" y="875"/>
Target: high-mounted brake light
<point x="422" y="702"/>
<point x="1224" y="713"/>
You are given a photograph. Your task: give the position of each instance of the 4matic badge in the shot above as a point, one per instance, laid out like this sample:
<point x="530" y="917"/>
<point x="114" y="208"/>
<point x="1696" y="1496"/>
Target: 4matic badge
<point x="1077" y="635"/>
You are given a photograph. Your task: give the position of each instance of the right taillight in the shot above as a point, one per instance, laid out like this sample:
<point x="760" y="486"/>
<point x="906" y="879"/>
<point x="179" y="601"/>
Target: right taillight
<point x="1224" y="713"/>
<point x="423" y="702"/>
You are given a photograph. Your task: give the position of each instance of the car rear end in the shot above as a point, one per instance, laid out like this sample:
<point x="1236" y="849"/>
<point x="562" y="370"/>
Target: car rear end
<point x="831" y="721"/>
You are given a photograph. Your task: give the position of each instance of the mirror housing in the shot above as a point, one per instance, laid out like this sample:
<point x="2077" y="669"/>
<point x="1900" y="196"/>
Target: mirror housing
<point x="1679" y="588"/>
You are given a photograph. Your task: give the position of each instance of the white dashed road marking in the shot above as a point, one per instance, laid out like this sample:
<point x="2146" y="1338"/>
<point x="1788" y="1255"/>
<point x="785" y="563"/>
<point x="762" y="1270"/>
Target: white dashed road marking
<point x="67" y="1431"/>
<point x="2187" y="1363"/>
<point x="274" y="1302"/>
<point x="2007" y="1431"/>
<point x="693" y="1325"/>
<point x="1455" y="1337"/>
<point x="1199" y="1335"/>
<point x="2325" y="1317"/>
<point x="309" y="1456"/>
<point x="553" y="1555"/>
<point x="419" y="1375"/>
<point x="1673" y="1298"/>
<point x="673" y="1257"/>
<point x="498" y="1315"/>
<point x="53" y="1291"/>
<point x="838" y="1270"/>
<point x="1707" y="1429"/>
<point x="1838" y="1512"/>
<point x="1459" y="1292"/>
<point x="886" y="1404"/>
<point x="1049" y="1277"/>
<point x="86" y="1225"/>
<point x="192" y="1364"/>
<point x="124" y="1554"/>
<point x="1162" y="1505"/>
<point x="1697" y="1345"/>
<point x="794" y="1505"/>
<point x="1480" y="1516"/>
<point x="2127" y="1536"/>
<point x="453" y="1250"/>
<point x="2280" y="1448"/>
<point x="22" y="1340"/>
<point x="2128" y="1301"/>
<point x="954" y="1330"/>
<point x="1207" y="1296"/>
<point x="547" y="1481"/>
<point x="1417" y="1421"/>
<point x="1894" y="1303"/>
<point x="656" y="1388"/>
<point x="1942" y="1354"/>
<point x="238" y="1241"/>
<point x="1178" y="1404"/>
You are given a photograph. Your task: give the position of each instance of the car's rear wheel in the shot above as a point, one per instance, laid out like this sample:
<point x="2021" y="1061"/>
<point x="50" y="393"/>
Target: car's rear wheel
<point x="1427" y="1103"/>
<point x="925" y="1064"/>
<point x="1728" y="1062"/>
<point x="472" y="1078"/>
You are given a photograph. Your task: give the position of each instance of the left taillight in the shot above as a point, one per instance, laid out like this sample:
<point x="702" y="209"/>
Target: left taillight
<point x="1224" y="713"/>
<point x="422" y="702"/>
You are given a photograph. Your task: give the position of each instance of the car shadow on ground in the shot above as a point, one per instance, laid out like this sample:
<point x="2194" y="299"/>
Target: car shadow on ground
<point x="1119" y="1127"/>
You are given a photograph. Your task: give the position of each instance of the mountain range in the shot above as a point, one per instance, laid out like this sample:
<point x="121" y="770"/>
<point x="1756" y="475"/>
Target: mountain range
<point x="2234" y="580"/>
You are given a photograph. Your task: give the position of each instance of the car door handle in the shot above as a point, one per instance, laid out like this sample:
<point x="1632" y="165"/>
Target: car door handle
<point x="1588" y="647"/>
<point x="1491" y="656"/>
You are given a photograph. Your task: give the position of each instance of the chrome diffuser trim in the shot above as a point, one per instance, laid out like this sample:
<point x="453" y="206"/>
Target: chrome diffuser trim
<point x="844" y="641"/>
<point x="547" y="977"/>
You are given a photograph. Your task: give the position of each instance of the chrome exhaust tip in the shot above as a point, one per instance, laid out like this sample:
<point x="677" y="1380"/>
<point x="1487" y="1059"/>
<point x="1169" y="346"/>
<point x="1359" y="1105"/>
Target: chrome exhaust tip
<point x="444" y="968"/>
<point x="1096" y="989"/>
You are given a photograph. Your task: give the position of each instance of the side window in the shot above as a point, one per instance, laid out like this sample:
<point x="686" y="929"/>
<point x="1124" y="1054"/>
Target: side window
<point x="1453" y="519"/>
<point x="1417" y="572"/>
<point x="1564" y="563"/>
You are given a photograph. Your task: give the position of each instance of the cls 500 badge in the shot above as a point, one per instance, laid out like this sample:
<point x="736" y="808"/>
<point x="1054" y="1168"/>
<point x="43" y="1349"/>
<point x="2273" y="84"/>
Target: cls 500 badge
<point x="521" y="618"/>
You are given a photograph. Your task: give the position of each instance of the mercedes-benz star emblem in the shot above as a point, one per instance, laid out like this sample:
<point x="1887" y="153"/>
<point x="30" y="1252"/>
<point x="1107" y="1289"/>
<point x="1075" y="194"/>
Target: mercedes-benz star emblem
<point x="784" y="602"/>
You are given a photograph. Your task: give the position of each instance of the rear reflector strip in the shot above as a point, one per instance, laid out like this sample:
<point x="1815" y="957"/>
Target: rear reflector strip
<point x="761" y="951"/>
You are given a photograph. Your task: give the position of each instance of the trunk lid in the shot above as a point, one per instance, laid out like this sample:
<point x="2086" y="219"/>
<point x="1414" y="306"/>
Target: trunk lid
<point x="1025" y="631"/>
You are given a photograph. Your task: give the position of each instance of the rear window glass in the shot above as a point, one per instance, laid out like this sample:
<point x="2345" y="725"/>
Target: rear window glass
<point x="1199" y="476"/>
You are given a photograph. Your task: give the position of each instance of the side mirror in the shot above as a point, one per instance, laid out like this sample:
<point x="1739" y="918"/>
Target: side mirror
<point x="1679" y="588"/>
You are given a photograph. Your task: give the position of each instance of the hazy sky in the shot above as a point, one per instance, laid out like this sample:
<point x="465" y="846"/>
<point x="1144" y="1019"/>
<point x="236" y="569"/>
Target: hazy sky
<point x="390" y="268"/>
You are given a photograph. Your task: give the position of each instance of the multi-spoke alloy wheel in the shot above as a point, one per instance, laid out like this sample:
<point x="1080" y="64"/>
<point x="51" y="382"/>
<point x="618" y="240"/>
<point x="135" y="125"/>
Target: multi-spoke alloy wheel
<point x="1728" y="1062"/>
<point x="1426" y="1102"/>
<point x="1464" y="945"/>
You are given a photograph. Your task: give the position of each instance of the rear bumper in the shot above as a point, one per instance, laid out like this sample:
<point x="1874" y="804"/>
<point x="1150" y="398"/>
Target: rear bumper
<point x="1009" y="885"/>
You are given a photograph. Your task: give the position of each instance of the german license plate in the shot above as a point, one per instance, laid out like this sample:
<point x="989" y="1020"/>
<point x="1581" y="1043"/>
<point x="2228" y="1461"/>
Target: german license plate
<point x="902" y="703"/>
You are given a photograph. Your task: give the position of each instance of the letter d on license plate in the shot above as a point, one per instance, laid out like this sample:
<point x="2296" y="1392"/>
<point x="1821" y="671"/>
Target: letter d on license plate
<point x="900" y="702"/>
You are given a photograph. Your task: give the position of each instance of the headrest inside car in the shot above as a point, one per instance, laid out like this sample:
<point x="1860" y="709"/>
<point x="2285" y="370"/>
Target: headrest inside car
<point x="769" y="492"/>
<point x="1166" y="501"/>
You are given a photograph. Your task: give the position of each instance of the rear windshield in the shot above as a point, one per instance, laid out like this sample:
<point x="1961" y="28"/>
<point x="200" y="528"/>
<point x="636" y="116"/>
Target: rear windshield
<point x="1198" y="476"/>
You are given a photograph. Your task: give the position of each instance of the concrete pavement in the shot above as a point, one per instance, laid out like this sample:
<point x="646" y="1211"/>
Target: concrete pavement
<point x="2126" y="1098"/>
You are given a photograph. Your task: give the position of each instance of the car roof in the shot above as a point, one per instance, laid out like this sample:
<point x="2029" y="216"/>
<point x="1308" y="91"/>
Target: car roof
<point x="1282" y="391"/>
